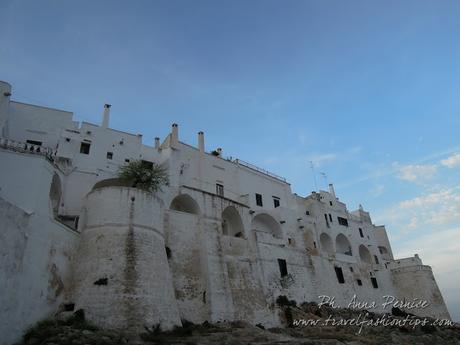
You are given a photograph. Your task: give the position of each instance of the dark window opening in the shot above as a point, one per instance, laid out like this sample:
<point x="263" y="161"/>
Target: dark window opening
<point x="69" y="307"/>
<point x="330" y="203"/>
<point x="259" y="199"/>
<point x="376" y="259"/>
<point x="342" y="221"/>
<point x="361" y="232"/>
<point x="34" y="142"/>
<point x="351" y="269"/>
<point x="219" y="189"/>
<point x="327" y="220"/>
<point x="126" y="160"/>
<point x="339" y="273"/>
<point x="314" y="244"/>
<point x="109" y="155"/>
<point x="360" y="283"/>
<point x="84" y="148"/>
<point x="168" y="252"/>
<point x="67" y="139"/>
<point x="330" y="218"/>
<point x="283" y="267"/>
<point x="101" y="281"/>
<point x="276" y="201"/>
<point x="374" y="283"/>
<point x="307" y="213"/>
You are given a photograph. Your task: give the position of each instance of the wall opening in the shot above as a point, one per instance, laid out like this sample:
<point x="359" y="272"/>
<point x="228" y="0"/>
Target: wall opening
<point x="364" y="254"/>
<point x="374" y="282"/>
<point x="326" y="243"/>
<point x="231" y="222"/>
<point x="266" y="223"/>
<point x="339" y="274"/>
<point x="185" y="203"/>
<point x="343" y="245"/>
<point x="283" y="267"/>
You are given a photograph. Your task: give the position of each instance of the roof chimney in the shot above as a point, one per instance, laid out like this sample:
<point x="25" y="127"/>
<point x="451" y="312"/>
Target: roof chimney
<point x="201" y="141"/>
<point x="175" y="135"/>
<point x="157" y="143"/>
<point x="331" y="190"/>
<point x="106" y="116"/>
<point x="219" y="151"/>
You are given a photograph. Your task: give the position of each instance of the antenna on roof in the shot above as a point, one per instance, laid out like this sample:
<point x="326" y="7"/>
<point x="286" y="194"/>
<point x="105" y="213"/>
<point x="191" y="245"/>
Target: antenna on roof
<point x="325" y="177"/>
<point x="314" y="175"/>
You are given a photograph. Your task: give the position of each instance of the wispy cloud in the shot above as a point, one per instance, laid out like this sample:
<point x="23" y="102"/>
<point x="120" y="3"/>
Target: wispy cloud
<point x="416" y="173"/>
<point x="451" y="161"/>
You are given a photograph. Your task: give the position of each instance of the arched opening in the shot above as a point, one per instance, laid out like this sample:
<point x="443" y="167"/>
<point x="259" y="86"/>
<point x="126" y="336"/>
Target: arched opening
<point x="364" y="254"/>
<point x="266" y="223"/>
<point x="342" y="245"/>
<point x="55" y="194"/>
<point x="231" y="222"/>
<point x="185" y="203"/>
<point x="326" y="243"/>
<point x="384" y="252"/>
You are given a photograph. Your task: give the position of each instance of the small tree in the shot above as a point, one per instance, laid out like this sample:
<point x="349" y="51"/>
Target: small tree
<point x="145" y="176"/>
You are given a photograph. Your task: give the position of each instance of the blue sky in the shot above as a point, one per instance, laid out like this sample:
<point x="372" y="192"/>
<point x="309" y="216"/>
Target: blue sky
<point x="367" y="90"/>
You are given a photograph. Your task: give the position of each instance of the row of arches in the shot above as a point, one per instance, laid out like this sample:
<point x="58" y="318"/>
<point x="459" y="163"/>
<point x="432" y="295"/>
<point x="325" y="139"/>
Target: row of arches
<point x="343" y="246"/>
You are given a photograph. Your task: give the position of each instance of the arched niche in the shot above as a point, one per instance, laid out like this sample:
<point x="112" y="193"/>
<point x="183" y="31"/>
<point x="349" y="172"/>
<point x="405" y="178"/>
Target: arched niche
<point x="55" y="194"/>
<point x="342" y="245"/>
<point x="266" y="223"/>
<point x="185" y="203"/>
<point x="231" y="222"/>
<point x="326" y="243"/>
<point x="365" y="254"/>
<point x="384" y="252"/>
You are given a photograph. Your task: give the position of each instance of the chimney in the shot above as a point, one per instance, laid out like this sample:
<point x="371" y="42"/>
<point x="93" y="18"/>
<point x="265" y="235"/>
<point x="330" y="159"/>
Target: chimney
<point x="106" y="116"/>
<point x="219" y="151"/>
<point x="201" y="141"/>
<point x="331" y="190"/>
<point x="157" y="143"/>
<point x="175" y="135"/>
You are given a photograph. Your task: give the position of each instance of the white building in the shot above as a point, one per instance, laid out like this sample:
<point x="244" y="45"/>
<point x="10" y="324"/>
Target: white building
<point x="221" y="242"/>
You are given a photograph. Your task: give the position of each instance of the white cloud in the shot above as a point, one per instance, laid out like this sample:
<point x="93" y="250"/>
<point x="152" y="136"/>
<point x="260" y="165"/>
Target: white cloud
<point x="415" y="172"/>
<point x="451" y="161"/>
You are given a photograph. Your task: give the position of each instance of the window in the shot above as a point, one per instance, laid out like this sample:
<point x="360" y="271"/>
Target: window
<point x="219" y="189"/>
<point x="374" y="283"/>
<point x="376" y="259"/>
<point x="283" y="267"/>
<point x="307" y="213"/>
<point x="314" y="244"/>
<point x="327" y="220"/>
<point x="330" y="203"/>
<point x="339" y="273"/>
<point x="276" y="201"/>
<point x="259" y="200"/>
<point x="84" y="148"/>
<point x="109" y="155"/>
<point x="342" y="221"/>
<point x="361" y="232"/>
<point x="126" y="160"/>
<point x="360" y="283"/>
<point x="351" y="269"/>
<point x="330" y="218"/>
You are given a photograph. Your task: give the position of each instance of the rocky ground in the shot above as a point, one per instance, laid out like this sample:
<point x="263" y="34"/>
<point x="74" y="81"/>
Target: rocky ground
<point x="76" y="331"/>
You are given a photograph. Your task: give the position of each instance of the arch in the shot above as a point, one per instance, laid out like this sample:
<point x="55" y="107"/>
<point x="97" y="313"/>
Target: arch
<point x="185" y="203"/>
<point x="231" y="222"/>
<point x="365" y="254"/>
<point x="342" y="245"/>
<point x="266" y="223"/>
<point x="384" y="252"/>
<point x="55" y="194"/>
<point x="326" y="243"/>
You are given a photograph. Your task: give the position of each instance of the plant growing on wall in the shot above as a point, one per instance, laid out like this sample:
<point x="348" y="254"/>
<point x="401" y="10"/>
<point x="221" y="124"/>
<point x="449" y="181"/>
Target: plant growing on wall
<point x="144" y="175"/>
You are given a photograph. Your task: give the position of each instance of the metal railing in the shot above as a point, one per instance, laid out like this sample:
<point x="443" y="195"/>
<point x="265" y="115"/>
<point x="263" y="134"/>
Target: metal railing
<point x="256" y="168"/>
<point x="18" y="146"/>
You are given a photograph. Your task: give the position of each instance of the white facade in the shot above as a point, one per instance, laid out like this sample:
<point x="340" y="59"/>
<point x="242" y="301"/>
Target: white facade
<point x="221" y="242"/>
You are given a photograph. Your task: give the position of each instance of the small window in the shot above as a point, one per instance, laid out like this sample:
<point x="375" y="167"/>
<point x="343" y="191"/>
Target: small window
<point x="314" y="244"/>
<point x="84" y="148"/>
<point x="67" y="139"/>
<point x="307" y="213"/>
<point x="283" y="267"/>
<point x="330" y="203"/>
<point x="330" y="217"/>
<point x="374" y="283"/>
<point x="361" y="232"/>
<point x="276" y="201"/>
<point x="339" y="273"/>
<point x="126" y="160"/>
<point x="259" y="200"/>
<point x="34" y="142"/>
<point x="109" y="155"/>
<point x="351" y="269"/>
<point x="342" y="221"/>
<point x="360" y="283"/>
<point x="376" y="259"/>
<point x="219" y="189"/>
<point x="327" y="220"/>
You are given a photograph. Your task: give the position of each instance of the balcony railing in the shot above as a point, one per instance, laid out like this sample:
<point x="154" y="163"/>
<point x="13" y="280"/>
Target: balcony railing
<point x="22" y="147"/>
<point x="263" y="171"/>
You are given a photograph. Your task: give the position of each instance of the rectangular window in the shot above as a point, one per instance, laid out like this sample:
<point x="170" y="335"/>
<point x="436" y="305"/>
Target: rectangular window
<point x="259" y="200"/>
<point x="374" y="283"/>
<point x="283" y="267"/>
<point x="342" y="221"/>
<point x="219" y="189"/>
<point x="339" y="273"/>
<point x="361" y="232"/>
<point x="109" y="155"/>
<point x="360" y="283"/>
<point x="330" y="203"/>
<point x="327" y="220"/>
<point x="376" y="259"/>
<point x="330" y="217"/>
<point x="84" y="148"/>
<point x="307" y="213"/>
<point x="126" y="160"/>
<point x="276" y="201"/>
